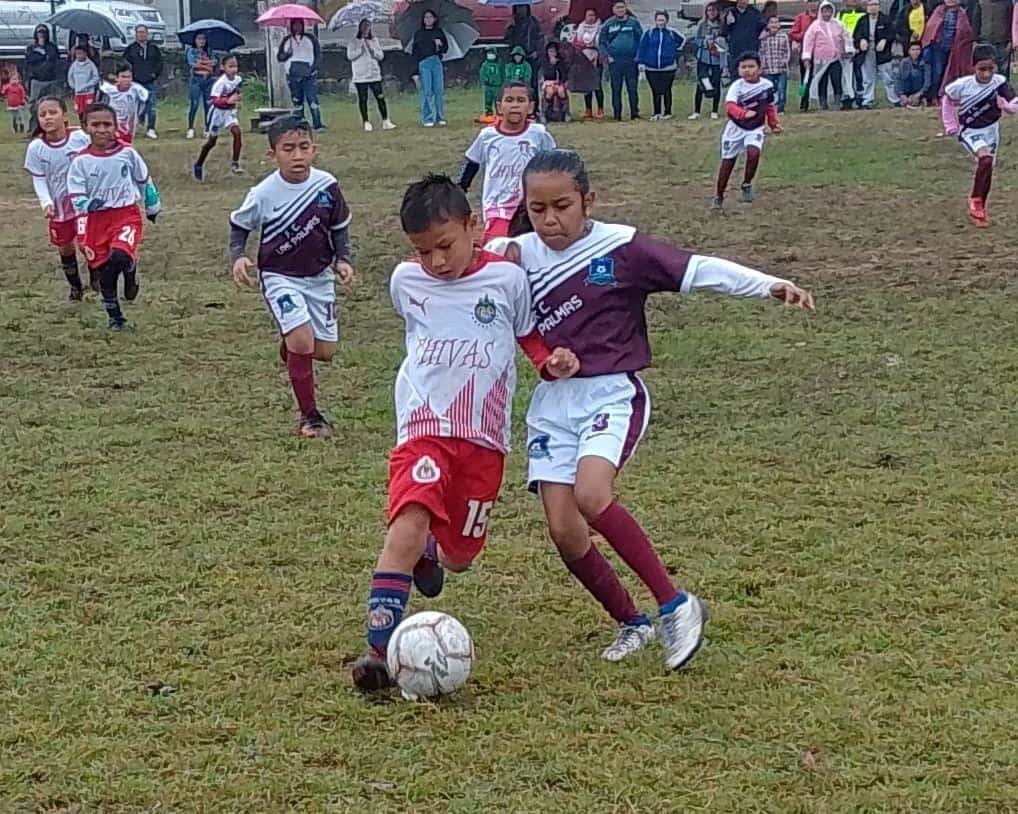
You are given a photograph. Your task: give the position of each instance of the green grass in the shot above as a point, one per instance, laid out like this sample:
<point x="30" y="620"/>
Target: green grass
<point x="841" y="490"/>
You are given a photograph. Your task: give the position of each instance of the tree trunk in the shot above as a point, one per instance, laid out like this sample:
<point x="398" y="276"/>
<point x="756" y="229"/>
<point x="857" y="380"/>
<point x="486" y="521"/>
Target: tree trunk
<point x="279" y="91"/>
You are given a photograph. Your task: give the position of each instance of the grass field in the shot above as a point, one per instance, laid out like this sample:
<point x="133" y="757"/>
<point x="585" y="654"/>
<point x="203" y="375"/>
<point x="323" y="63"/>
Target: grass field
<point x="841" y="489"/>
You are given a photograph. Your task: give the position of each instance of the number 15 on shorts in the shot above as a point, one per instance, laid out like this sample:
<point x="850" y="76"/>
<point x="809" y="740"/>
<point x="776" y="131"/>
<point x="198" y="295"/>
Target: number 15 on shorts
<point x="478" y="515"/>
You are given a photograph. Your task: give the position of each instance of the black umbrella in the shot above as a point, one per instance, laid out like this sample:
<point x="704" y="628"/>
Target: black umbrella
<point x="87" y="22"/>
<point x="221" y="37"/>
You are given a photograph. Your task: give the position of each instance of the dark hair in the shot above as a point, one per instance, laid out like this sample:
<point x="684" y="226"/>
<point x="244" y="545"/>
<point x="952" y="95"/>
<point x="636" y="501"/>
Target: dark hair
<point x="566" y="162"/>
<point x="433" y="199"/>
<point x="516" y="84"/>
<point x="227" y="57"/>
<point x="981" y="52"/>
<point x="915" y="44"/>
<point x="662" y="13"/>
<point x="80" y="47"/>
<point x="425" y="13"/>
<point x="123" y="67"/>
<point x="98" y="107"/>
<point x="286" y="124"/>
<point x="63" y="106"/>
<point x="750" y="56"/>
<point x="366" y="22"/>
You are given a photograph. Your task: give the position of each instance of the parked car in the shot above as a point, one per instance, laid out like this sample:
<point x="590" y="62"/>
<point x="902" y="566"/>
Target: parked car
<point x="492" y="20"/>
<point x="19" y="18"/>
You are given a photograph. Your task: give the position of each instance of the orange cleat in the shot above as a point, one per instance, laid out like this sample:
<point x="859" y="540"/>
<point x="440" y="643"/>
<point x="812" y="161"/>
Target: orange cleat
<point x="977" y="212"/>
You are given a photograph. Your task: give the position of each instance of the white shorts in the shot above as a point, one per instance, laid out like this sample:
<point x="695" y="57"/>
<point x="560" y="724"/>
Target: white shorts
<point x="221" y="119"/>
<point x="601" y="416"/>
<point x="735" y="140"/>
<point x="296" y="301"/>
<point x="980" y="138"/>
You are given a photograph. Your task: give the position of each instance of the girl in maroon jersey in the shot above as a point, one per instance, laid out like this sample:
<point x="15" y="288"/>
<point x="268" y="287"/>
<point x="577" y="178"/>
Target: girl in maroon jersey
<point x="589" y="283"/>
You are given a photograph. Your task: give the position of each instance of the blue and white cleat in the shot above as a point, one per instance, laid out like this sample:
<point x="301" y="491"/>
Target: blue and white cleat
<point x="682" y="631"/>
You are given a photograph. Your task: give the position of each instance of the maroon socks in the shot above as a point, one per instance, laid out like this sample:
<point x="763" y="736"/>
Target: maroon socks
<point x="752" y="162"/>
<point x="595" y="574"/>
<point x="983" y="179"/>
<point x="630" y="542"/>
<point x="302" y="377"/>
<point x="724" y="173"/>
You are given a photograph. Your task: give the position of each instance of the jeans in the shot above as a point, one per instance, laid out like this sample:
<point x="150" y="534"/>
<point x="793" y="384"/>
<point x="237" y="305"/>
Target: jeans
<point x="618" y="73"/>
<point x="937" y="56"/>
<point x="304" y="90"/>
<point x="661" y="89"/>
<point x="149" y="112"/>
<point x="432" y="90"/>
<point x="38" y="88"/>
<point x="17" y="121"/>
<point x="870" y="70"/>
<point x="198" y="92"/>
<point x="780" y="82"/>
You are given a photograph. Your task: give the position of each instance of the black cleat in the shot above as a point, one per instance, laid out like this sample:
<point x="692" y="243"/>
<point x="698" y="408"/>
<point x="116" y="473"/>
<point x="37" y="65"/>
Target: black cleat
<point x="370" y="674"/>
<point x="75" y="295"/>
<point x="131" y="286"/>
<point x="314" y="425"/>
<point x="429" y="577"/>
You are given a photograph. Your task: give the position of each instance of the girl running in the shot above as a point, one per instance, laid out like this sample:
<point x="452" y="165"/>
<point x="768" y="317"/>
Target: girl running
<point x="589" y="283"/>
<point x="47" y="160"/>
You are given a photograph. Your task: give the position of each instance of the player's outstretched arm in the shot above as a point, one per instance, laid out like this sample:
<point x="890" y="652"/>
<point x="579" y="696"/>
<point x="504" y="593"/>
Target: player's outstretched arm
<point x="705" y="273"/>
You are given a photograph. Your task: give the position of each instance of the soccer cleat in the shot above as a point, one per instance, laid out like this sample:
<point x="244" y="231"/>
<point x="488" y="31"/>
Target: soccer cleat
<point x="190" y="134"/>
<point x="682" y="631"/>
<point x="131" y="286"/>
<point x="235" y="168"/>
<point x="370" y="674"/>
<point x="75" y="295"/>
<point x="367" y="127"/>
<point x="718" y="204"/>
<point x="314" y="425"/>
<point x="631" y="639"/>
<point x="693" y="117"/>
<point x="747" y="193"/>
<point x="199" y="173"/>
<point x="977" y="211"/>
<point x="388" y="125"/>
<point x="429" y="575"/>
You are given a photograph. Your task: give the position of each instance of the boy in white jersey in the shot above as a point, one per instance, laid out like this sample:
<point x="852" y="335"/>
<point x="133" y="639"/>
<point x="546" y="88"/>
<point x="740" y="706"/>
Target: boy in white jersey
<point x="48" y="160"/>
<point x="504" y="149"/>
<point x="126" y="97"/>
<point x="225" y="97"/>
<point x="971" y="110"/>
<point x="106" y="182"/>
<point x="304" y="246"/>
<point x="750" y="105"/>
<point x="465" y="310"/>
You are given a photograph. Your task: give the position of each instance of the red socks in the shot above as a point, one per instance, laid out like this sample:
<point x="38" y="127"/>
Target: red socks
<point x="983" y="179"/>
<point x="302" y="377"/>
<point x="595" y="574"/>
<point x="630" y="542"/>
<point x="724" y="173"/>
<point x="752" y="162"/>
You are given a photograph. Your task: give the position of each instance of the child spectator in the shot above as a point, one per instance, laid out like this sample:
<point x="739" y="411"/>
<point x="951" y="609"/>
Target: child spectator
<point x="914" y="79"/>
<point x="554" y="92"/>
<point x="710" y="45"/>
<point x="824" y="48"/>
<point x="911" y="22"/>
<point x="15" y="95"/>
<point x="658" y="54"/>
<point x="518" y="69"/>
<point x="775" y="54"/>
<point x="492" y="79"/>
<point x="872" y="38"/>
<point x="83" y="80"/>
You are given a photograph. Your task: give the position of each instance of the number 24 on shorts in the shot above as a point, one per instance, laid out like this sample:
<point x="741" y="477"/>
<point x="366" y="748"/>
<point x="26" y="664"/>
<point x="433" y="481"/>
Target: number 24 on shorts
<point x="128" y="235"/>
<point x="478" y="515"/>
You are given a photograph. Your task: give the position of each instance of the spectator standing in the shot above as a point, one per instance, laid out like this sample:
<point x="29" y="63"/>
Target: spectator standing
<point x="429" y="45"/>
<point x="947" y="44"/>
<point x="803" y="21"/>
<point x="824" y="49"/>
<point x="525" y="31"/>
<point x="199" y="85"/>
<point x="658" y="55"/>
<point x="589" y="83"/>
<point x="914" y="78"/>
<point x="301" y="54"/>
<point x="872" y="39"/>
<point x="743" y="25"/>
<point x="83" y="80"/>
<point x="365" y="55"/>
<point x="710" y="46"/>
<point x="42" y="71"/>
<point x="83" y="41"/>
<point x="619" y="44"/>
<point x="775" y="55"/>
<point x="911" y="22"/>
<point x="146" y="61"/>
<point x="850" y="15"/>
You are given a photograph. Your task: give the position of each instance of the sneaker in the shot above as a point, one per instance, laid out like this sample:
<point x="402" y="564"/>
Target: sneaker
<point x="199" y="173"/>
<point x="747" y="193"/>
<point x="190" y="134"/>
<point x="631" y="638"/>
<point x="588" y="114"/>
<point x="152" y="134"/>
<point x="93" y="279"/>
<point x="75" y="295"/>
<point x="235" y="168"/>
<point x="441" y="122"/>
<point x="314" y="425"/>
<point x="368" y="127"/>
<point x="718" y="204"/>
<point x="370" y="674"/>
<point x="429" y="575"/>
<point x="117" y="325"/>
<point x="655" y="118"/>
<point x="682" y="631"/>
<point x="714" y="116"/>
<point x="977" y="212"/>
<point x="666" y="117"/>
<point x="600" y="113"/>
<point x="388" y="125"/>
<point x="429" y="124"/>
<point x="693" y="117"/>
<point x="131" y="286"/>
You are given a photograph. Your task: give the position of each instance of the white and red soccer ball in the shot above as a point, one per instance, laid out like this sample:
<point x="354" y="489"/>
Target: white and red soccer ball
<point x="430" y="654"/>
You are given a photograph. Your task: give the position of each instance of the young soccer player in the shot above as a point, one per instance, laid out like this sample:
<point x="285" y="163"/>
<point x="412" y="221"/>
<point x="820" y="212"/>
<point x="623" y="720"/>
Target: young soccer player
<point x="126" y="97"/>
<point x="106" y="181"/>
<point x="589" y="283"/>
<point x="223" y="116"/>
<point x="82" y="79"/>
<point x="971" y="110"/>
<point x="465" y="310"/>
<point x="304" y="246"/>
<point x="749" y="104"/>
<point x="48" y="160"/>
<point x="504" y="149"/>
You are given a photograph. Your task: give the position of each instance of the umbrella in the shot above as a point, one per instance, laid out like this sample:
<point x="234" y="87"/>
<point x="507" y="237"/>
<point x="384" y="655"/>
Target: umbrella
<point x="84" y="21"/>
<point x="282" y="15"/>
<point x="221" y="37"/>
<point x="449" y="15"/>
<point x="351" y="15"/>
<point x="460" y="37"/>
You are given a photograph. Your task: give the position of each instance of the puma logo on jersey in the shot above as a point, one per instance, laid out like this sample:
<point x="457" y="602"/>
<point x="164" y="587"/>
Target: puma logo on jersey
<point x="421" y="304"/>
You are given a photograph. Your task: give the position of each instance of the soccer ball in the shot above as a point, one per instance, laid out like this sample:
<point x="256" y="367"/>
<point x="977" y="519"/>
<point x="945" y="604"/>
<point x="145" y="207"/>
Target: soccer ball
<point x="429" y="654"/>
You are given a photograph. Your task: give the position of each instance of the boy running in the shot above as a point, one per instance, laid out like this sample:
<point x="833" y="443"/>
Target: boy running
<point x="304" y="245"/>
<point x="504" y="149"/>
<point x="465" y="311"/>
<point x="126" y="98"/>
<point x="223" y="116"/>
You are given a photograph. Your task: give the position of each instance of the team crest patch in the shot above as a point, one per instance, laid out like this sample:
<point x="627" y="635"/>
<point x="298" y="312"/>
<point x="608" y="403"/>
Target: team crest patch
<point x="380" y="618"/>
<point x="325" y="198"/>
<point x="426" y="470"/>
<point x="124" y="170"/>
<point x="601" y="271"/>
<point x="538" y="448"/>
<point x="286" y="305"/>
<point x="485" y="310"/>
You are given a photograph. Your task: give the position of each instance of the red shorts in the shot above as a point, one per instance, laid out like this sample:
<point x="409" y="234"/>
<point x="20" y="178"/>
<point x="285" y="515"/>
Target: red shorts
<point x="457" y="481"/>
<point x="101" y="232"/>
<point x="496" y="227"/>
<point x="83" y="100"/>
<point x="62" y="232"/>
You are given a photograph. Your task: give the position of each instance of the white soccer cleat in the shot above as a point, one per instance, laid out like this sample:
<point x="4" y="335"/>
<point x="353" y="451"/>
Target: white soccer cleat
<point x="152" y="134"/>
<point x="388" y="125"/>
<point x="190" y="134"/>
<point x="682" y="631"/>
<point x="367" y="127"/>
<point x="631" y="639"/>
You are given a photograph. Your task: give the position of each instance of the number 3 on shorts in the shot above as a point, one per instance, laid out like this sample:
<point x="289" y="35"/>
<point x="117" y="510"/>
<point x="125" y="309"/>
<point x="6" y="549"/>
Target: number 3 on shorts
<point x="478" y="514"/>
<point x="128" y="234"/>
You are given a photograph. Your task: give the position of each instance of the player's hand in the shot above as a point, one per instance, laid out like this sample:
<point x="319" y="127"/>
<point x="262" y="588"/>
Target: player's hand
<point x="242" y="272"/>
<point x="347" y="276"/>
<point x="562" y="363"/>
<point x="792" y="296"/>
<point x="48" y="211"/>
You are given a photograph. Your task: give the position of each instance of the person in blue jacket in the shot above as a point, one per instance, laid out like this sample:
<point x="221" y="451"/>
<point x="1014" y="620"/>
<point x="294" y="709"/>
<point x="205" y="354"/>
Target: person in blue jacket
<point x="659" y="53"/>
<point x="743" y="25"/>
<point x="618" y="43"/>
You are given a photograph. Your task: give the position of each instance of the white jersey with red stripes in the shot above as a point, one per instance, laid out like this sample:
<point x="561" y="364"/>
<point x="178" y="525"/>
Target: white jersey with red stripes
<point x="459" y="374"/>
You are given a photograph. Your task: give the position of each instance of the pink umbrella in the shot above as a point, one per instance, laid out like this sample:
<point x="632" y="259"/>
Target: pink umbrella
<point x="282" y="15"/>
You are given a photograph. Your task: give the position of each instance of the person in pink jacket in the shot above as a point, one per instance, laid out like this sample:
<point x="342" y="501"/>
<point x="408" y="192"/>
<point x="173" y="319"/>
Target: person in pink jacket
<point x="826" y="43"/>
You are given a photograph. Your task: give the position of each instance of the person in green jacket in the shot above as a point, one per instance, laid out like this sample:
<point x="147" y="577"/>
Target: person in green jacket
<point x="518" y="69"/>
<point x="492" y="79"/>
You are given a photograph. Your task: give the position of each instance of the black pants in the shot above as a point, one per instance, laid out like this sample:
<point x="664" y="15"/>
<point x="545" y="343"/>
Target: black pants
<point x="661" y="91"/>
<point x="833" y="76"/>
<point x="588" y="100"/>
<point x="713" y="74"/>
<point x="624" y="72"/>
<point x="362" y="99"/>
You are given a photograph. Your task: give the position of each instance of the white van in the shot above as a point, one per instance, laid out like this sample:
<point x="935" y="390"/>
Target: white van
<point x="19" y="18"/>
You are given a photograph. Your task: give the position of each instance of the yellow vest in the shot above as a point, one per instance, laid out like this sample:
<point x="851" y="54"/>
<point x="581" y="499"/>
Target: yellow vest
<point x="917" y="22"/>
<point x="849" y="20"/>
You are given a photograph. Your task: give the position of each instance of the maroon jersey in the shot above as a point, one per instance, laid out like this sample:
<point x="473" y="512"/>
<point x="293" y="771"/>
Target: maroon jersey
<point x="591" y="297"/>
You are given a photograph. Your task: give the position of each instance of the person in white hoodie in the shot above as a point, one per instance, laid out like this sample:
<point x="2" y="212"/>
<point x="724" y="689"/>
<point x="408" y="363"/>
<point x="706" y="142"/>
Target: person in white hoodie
<point x="365" y="55"/>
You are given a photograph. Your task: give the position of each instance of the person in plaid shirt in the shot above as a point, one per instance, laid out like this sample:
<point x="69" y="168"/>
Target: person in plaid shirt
<point x="775" y="54"/>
